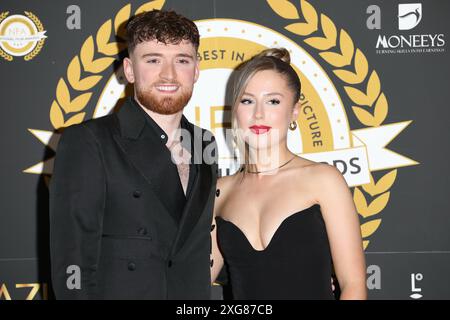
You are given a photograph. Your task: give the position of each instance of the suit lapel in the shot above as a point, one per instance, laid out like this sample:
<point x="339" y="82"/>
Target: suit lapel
<point x="197" y="198"/>
<point x="138" y="147"/>
<point x="149" y="157"/>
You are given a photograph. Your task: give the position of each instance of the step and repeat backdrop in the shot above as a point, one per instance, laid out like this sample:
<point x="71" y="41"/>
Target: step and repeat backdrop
<point x="375" y="104"/>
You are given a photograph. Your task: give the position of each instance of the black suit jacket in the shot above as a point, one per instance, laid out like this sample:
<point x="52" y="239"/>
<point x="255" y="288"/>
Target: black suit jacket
<point x="108" y="217"/>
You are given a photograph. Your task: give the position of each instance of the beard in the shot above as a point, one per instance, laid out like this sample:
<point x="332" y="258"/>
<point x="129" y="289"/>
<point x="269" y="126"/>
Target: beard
<point x="165" y="104"/>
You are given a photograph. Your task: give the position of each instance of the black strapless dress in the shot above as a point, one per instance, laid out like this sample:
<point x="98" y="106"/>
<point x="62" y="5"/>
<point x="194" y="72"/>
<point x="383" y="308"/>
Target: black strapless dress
<point x="295" y="265"/>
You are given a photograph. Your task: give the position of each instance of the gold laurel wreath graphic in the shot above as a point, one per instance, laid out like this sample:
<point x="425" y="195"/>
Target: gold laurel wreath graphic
<point x="370" y="96"/>
<point x="40" y="43"/>
<point x="3" y="54"/>
<point x="64" y="104"/>
<point x="379" y="190"/>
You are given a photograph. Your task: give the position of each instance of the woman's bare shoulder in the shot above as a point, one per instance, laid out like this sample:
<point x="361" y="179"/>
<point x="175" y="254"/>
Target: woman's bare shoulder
<point x="319" y="176"/>
<point x="317" y="171"/>
<point x="224" y="187"/>
<point x="328" y="184"/>
<point x="326" y="173"/>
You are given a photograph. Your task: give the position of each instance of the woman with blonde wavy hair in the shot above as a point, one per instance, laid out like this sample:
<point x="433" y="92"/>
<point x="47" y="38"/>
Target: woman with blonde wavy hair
<point x="283" y="222"/>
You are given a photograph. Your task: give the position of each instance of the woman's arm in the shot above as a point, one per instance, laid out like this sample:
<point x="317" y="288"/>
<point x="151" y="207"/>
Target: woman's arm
<point x="216" y="256"/>
<point x="344" y="233"/>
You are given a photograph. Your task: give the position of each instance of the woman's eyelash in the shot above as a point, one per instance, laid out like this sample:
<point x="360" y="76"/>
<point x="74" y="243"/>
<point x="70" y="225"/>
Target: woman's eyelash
<point x="246" y="101"/>
<point x="274" y="101"/>
<point x="271" y="101"/>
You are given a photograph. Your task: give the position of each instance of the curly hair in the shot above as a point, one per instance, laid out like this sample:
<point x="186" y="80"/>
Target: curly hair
<point x="167" y="27"/>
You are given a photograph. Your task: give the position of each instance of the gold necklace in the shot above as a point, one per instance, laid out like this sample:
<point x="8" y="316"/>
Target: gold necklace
<point x="284" y="164"/>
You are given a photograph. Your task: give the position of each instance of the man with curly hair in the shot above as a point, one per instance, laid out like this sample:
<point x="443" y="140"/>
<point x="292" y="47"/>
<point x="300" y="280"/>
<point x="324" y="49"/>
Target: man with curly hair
<point x="132" y="193"/>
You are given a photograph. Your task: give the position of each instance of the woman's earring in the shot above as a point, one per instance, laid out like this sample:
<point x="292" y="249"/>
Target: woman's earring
<point x="293" y="125"/>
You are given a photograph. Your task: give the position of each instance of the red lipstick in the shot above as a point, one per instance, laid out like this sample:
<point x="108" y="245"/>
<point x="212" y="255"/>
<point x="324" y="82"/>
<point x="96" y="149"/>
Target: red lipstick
<point x="260" y="129"/>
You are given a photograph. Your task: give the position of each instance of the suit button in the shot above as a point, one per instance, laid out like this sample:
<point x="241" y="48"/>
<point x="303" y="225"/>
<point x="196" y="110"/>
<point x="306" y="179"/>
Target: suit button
<point x="142" y="231"/>
<point x="131" y="266"/>
<point x="169" y="263"/>
<point x="137" y="194"/>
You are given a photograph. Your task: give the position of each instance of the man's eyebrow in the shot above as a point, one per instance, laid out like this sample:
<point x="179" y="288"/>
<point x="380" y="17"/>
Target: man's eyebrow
<point x="151" y="54"/>
<point x="185" y="55"/>
<point x="154" y="54"/>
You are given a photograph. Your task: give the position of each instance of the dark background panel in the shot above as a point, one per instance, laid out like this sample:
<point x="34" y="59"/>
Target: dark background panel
<point x="429" y="270"/>
<point x="417" y="217"/>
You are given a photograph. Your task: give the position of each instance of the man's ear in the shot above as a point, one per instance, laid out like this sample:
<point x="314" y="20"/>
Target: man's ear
<point x="197" y="70"/>
<point x="128" y="69"/>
